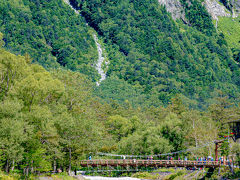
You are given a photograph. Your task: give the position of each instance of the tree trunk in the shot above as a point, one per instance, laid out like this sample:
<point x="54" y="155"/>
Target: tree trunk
<point x="27" y="170"/>
<point x="195" y="135"/>
<point x="54" y="166"/>
<point x="31" y="101"/>
<point x="32" y="169"/>
<point x="233" y="165"/>
<point x="70" y="157"/>
<point x="6" y="91"/>
<point x="7" y="165"/>
<point x="13" y="163"/>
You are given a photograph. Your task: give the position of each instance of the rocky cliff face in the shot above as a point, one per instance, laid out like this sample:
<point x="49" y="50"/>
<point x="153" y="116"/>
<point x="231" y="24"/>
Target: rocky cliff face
<point x="174" y="7"/>
<point x="236" y="7"/>
<point x="214" y="7"/>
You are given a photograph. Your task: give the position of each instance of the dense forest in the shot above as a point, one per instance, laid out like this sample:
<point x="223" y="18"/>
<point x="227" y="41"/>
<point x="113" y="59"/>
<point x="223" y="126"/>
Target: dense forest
<point x="52" y="120"/>
<point x="157" y="57"/>
<point x="162" y="57"/>
<point x="50" y="32"/>
<point x="171" y="85"/>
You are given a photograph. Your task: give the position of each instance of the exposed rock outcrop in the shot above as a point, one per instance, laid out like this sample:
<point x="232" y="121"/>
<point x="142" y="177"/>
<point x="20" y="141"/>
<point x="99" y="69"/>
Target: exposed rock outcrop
<point x="215" y="9"/>
<point x="174" y="7"/>
<point x="236" y="7"/>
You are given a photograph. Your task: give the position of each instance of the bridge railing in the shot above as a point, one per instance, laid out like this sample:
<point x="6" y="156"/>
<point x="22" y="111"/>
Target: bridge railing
<point x="134" y="162"/>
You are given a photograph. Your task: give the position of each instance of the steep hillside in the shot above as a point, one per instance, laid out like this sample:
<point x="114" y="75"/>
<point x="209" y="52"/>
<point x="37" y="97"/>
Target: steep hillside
<point x="231" y="29"/>
<point x="148" y="49"/>
<point x="151" y="52"/>
<point x="50" y="32"/>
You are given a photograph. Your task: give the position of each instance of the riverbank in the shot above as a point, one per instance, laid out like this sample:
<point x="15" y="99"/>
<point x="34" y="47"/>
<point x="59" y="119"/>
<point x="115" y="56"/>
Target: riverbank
<point x="108" y="178"/>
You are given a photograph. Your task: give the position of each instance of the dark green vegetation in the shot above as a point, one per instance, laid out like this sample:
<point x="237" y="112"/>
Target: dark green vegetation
<point x="198" y="16"/>
<point x="231" y="30"/>
<point x="44" y="117"/>
<point x="50" y="32"/>
<point x="51" y="120"/>
<point x="157" y="57"/>
<point x="227" y="4"/>
<point x="149" y="50"/>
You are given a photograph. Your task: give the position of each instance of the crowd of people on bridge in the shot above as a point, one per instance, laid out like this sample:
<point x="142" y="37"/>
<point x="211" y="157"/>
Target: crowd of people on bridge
<point x="199" y="159"/>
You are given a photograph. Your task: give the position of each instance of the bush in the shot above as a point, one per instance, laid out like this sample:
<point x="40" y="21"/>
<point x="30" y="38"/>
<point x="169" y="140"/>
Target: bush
<point x="176" y="174"/>
<point x="145" y="175"/>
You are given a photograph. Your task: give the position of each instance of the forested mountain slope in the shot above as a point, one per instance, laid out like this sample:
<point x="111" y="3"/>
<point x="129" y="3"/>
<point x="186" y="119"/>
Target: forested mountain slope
<point x="152" y="57"/>
<point x="50" y="32"/>
<point x="162" y="56"/>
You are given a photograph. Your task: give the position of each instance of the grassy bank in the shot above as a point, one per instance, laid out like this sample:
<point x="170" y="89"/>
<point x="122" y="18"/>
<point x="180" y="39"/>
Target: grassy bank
<point x="231" y="29"/>
<point x="62" y="176"/>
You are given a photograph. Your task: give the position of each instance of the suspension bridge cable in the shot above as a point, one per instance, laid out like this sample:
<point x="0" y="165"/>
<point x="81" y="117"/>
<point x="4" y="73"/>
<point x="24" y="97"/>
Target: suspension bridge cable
<point x="155" y="155"/>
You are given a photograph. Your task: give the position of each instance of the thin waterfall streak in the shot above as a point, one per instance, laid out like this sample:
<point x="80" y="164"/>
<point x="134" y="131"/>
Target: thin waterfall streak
<point x="68" y="2"/>
<point x="99" y="49"/>
<point x="100" y="61"/>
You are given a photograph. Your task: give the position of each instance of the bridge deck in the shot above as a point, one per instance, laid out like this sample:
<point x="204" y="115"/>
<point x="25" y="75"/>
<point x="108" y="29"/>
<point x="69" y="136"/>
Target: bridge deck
<point x="149" y="163"/>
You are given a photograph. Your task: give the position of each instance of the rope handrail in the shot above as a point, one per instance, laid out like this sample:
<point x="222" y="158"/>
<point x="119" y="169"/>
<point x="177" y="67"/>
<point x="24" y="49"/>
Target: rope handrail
<point x="132" y="160"/>
<point x="155" y="155"/>
<point x="135" y="163"/>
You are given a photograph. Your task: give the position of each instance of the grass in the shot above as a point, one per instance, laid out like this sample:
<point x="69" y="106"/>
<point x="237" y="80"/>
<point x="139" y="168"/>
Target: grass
<point x="145" y="175"/>
<point x="179" y="174"/>
<point x="172" y="170"/>
<point x="231" y="29"/>
<point x="62" y="176"/>
<point x="4" y="176"/>
<point x="228" y="175"/>
<point x="175" y="174"/>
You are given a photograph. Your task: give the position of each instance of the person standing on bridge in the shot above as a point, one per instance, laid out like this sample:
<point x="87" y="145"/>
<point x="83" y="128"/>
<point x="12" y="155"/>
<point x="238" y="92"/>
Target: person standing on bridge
<point x="204" y="160"/>
<point x="90" y="157"/>
<point x="151" y="158"/>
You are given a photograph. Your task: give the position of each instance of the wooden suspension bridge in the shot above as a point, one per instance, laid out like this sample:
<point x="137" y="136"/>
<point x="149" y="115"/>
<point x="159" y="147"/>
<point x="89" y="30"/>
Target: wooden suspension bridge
<point x="150" y="163"/>
<point x="143" y="163"/>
